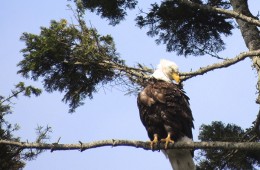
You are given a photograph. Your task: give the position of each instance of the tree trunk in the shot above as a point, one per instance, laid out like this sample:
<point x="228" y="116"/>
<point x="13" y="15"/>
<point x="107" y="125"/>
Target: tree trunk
<point x="251" y="37"/>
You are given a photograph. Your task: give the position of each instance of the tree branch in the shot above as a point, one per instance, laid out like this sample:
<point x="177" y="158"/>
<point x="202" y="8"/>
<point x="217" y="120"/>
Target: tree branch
<point x="141" y="73"/>
<point x="223" y="64"/>
<point x="230" y="13"/>
<point x="137" y="144"/>
<point x="135" y="74"/>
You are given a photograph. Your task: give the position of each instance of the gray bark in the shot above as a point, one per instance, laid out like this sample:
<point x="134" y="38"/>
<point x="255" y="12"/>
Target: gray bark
<point x="251" y="37"/>
<point x="137" y="144"/>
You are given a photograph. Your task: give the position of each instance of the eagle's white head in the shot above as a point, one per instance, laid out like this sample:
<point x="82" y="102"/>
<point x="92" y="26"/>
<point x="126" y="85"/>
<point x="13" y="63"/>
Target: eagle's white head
<point x="167" y="71"/>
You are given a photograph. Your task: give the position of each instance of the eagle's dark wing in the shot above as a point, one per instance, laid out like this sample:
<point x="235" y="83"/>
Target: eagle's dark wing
<point x="177" y="116"/>
<point x="149" y="115"/>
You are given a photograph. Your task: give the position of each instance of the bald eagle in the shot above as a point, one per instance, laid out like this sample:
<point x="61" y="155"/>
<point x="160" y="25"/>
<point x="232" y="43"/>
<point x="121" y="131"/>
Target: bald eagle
<point x="165" y="112"/>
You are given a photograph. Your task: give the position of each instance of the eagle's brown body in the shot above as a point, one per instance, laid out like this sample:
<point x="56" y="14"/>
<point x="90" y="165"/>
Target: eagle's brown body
<point x="164" y="109"/>
<point x="165" y="112"/>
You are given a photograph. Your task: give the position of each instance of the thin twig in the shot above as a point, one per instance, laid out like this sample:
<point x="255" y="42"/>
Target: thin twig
<point x="15" y="94"/>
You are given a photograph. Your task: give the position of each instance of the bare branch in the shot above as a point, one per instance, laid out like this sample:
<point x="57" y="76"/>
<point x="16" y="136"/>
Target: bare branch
<point x="137" y="144"/>
<point x="223" y="64"/>
<point x="230" y="13"/>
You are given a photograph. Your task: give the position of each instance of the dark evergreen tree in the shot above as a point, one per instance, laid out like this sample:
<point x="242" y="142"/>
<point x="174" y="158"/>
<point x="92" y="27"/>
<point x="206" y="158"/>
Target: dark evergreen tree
<point x="70" y="59"/>
<point x="114" y="10"/>
<point x="10" y="158"/>
<point x="186" y="30"/>
<point x="228" y="159"/>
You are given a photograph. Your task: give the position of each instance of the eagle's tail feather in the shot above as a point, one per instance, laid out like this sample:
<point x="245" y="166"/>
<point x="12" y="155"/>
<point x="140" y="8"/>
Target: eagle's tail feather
<point x="180" y="159"/>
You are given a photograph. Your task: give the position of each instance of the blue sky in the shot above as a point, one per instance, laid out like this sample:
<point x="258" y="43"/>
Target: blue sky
<point x="226" y="95"/>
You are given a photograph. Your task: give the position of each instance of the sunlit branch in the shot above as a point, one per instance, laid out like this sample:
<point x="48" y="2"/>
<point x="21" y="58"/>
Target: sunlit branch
<point x="222" y="11"/>
<point x="223" y="64"/>
<point x="130" y="143"/>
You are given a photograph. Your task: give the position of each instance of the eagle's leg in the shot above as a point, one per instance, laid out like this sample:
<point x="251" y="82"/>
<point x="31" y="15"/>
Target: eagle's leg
<point x="154" y="141"/>
<point x="167" y="140"/>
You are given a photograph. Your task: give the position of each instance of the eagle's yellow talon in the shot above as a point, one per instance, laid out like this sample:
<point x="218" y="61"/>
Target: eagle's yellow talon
<point x="167" y="140"/>
<point x="154" y="141"/>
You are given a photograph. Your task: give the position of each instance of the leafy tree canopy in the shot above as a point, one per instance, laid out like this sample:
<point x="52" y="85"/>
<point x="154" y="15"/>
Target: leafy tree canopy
<point x="185" y="30"/>
<point x="68" y="59"/>
<point x="114" y="10"/>
<point x="75" y="59"/>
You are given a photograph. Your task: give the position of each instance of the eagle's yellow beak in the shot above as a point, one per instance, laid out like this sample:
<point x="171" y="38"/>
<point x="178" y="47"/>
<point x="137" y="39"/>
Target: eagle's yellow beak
<point x="176" y="77"/>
